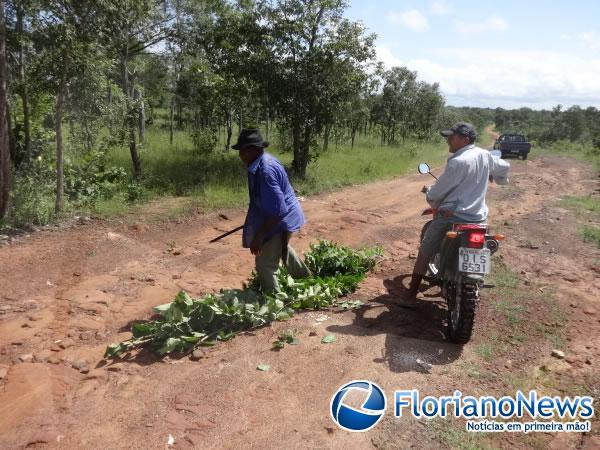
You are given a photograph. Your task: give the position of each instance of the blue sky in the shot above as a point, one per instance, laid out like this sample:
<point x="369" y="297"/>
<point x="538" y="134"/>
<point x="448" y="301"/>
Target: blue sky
<point x="493" y="53"/>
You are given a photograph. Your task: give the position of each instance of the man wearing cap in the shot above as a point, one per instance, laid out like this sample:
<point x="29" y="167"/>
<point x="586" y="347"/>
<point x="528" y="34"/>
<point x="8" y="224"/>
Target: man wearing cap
<point x="459" y="193"/>
<point x="274" y="212"/>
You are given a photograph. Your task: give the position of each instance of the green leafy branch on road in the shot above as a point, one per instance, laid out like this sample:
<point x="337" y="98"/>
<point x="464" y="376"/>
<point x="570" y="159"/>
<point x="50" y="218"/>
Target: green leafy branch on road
<point x="187" y="322"/>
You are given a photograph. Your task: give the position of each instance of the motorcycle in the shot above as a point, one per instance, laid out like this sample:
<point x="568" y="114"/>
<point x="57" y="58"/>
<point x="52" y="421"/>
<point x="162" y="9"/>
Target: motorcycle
<point x="459" y="268"/>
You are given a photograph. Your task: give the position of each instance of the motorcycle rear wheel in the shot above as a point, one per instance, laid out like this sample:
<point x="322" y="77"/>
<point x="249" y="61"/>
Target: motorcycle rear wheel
<point x="461" y="312"/>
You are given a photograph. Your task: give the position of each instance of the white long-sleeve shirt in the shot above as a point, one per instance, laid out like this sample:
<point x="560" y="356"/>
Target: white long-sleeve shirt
<point x="463" y="186"/>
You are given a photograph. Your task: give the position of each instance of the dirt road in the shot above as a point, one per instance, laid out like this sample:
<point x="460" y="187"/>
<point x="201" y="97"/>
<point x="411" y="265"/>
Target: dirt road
<point x="66" y="294"/>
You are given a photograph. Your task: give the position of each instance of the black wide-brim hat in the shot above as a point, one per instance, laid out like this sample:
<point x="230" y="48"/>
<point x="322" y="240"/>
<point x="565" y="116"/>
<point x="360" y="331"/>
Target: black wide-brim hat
<point x="250" y="137"/>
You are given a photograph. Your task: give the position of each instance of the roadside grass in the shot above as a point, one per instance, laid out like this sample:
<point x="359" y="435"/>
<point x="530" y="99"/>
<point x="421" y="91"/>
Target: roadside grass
<point x="512" y="300"/>
<point x="218" y="179"/>
<point x="484" y="139"/>
<point x="586" y="208"/>
<point x="487" y="350"/>
<point x="583" y="206"/>
<point x="456" y="436"/>
<point x="114" y="206"/>
<point x="554" y="328"/>
<point x="535" y="442"/>
<point x="583" y="151"/>
<point x="591" y="233"/>
<point x="153" y="210"/>
<point x="473" y="370"/>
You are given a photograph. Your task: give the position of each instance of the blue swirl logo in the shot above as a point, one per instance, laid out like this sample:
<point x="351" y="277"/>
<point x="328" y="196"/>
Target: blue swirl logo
<point x="358" y="419"/>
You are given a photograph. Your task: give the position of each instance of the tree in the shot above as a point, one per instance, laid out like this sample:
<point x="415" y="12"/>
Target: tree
<point x="132" y="26"/>
<point x="23" y="82"/>
<point x="217" y="36"/>
<point x="5" y="170"/>
<point x="307" y="60"/>
<point x="67" y="40"/>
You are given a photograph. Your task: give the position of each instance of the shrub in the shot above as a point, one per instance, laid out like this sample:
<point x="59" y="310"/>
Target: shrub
<point x="204" y="140"/>
<point x="32" y="196"/>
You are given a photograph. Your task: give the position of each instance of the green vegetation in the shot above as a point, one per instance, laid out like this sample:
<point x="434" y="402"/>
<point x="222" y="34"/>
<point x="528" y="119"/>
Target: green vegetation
<point x="472" y="370"/>
<point x="187" y="322"/>
<point x="485" y="350"/>
<point x="218" y="179"/>
<point x="455" y="436"/>
<point x="116" y="103"/>
<point x="591" y="233"/>
<point x="587" y="208"/>
<point x="583" y="151"/>
<point x="287" y="337"/>
<point x="583" y="206"/>
<point x="208" y="181"/>
<point x="512" y="300"/>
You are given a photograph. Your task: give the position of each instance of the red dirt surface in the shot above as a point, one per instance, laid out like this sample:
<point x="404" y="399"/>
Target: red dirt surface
<point x="67" y="294"/>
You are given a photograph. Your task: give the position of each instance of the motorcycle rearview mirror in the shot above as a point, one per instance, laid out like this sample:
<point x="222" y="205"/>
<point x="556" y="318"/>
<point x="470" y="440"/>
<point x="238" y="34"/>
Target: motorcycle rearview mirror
<point x="423" y="168"/>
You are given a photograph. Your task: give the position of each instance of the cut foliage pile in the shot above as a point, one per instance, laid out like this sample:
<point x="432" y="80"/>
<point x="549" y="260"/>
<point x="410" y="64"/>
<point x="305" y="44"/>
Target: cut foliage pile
<point x="187" y="322"/>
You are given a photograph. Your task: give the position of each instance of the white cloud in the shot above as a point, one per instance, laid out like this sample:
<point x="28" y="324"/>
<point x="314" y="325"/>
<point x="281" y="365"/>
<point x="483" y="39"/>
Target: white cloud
<point x="493" y="23"/>
<point x="386" y="56"/>
<point x="507" y="78"/>
<point x="413" y="20"/>
<point x="588" y="39"/>
<point x="440" y="8"/>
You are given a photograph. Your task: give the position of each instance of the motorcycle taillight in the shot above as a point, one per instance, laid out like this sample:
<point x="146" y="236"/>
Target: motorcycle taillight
<point x="476" y="240"/>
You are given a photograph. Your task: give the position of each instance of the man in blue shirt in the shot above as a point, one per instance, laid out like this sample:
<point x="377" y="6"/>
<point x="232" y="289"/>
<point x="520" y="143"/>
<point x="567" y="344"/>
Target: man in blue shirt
<point x="273" y="214"/>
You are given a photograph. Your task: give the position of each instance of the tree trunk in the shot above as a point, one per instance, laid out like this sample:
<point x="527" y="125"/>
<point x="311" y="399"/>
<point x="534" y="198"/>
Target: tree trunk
<point x="305" y="151"/>
<point x="60" y="100"/>
<point x="171" y="120"/>
<point x="326" y="137"/>
<point x="139" y="102"/>
<point x="352" y="136"/>
<point x="228" y="126"/>
<point x="135" y="157"/>
<point x="12" y="140"/>
<point x="24" y="91"/>
<point x="301" y="149"/>
<point x="4" y="144"/>
<point x="109" y="102"/>
<point x="89" y="138"/>
<point x="267" y="124"/>
<point x="179" y="116"/>
<point x="130" y="118"/>
<point x="296" y="147"/>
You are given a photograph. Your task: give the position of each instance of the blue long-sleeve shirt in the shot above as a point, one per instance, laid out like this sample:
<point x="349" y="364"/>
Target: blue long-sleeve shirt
<point x="271" y="194"/>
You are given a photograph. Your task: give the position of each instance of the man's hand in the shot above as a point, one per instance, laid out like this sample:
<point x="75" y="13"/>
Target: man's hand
<point x="256" y="244"/>
<point x="425" y="189"/>
<point x="263" y="231"/>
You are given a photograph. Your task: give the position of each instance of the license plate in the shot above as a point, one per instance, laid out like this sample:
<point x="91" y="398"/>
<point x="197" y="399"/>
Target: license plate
<point x="474" y="260"/>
